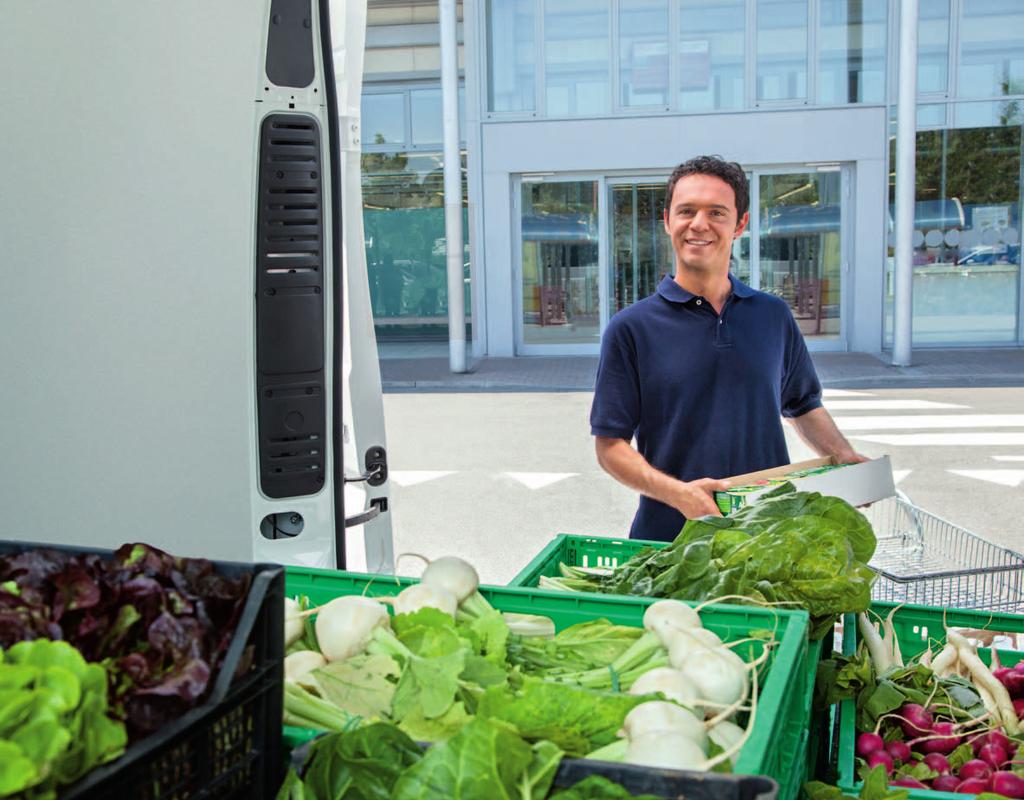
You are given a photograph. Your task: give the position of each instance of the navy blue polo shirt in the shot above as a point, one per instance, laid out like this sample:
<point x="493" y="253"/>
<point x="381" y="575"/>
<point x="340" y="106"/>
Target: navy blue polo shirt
<point x="703" y="394"/>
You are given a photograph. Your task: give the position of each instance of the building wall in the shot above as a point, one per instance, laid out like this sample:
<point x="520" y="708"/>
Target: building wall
<point x="641" y="145"/>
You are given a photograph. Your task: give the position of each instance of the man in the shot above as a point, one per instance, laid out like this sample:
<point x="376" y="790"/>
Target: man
<point x="702" y="371"/>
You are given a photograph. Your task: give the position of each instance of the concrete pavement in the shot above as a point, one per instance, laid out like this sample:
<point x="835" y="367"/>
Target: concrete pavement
<point x="425" y="368"/>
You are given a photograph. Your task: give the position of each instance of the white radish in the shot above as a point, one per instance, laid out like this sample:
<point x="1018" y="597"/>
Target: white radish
<point x="706" y="637"/>
<point x="726" y="735"/>
<point x="716" y="676"/>
<point x="346" y="624"/>
<point x="293" y="624"/>
<point x="301" y="663"/>
<point x="982" y="677"/>
<point x="659" y="716"/>
<point x="423" y="595"/>
<point x="670" y="682"/>
<point x="667" y="617"/>
<point x="682" y="646"/>
<point x="666" y="749"/>
<point x="453" y="574"/>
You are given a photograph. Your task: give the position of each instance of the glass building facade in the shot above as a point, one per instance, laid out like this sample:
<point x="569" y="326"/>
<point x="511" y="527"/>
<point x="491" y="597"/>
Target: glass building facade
<point x="575" y="112"/>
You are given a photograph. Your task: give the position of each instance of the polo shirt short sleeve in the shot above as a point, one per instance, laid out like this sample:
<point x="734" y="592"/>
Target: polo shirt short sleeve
<point x="701" y="393"/>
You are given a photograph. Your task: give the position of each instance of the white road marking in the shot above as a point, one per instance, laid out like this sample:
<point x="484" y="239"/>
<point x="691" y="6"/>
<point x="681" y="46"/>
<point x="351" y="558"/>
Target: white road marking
<point x="844" y="393"/>
<point x="1007" y="458"/>
<point x="538" y="480"/>
<point x="888" y="405"/>
<point x="900" y="474"/>
<point x="905" y="422"/>
<point x="946" y="439"/>
<point x="1004" y="477"/>
<point x="411" y="477"/>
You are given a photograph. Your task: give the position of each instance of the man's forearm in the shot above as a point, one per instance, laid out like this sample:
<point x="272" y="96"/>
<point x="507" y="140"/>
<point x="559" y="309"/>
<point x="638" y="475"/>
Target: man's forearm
<point x="818" y="431"/>
<point x="624" y="463"/>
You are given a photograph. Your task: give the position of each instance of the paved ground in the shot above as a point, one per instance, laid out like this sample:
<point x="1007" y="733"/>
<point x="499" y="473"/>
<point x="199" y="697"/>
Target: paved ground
<point x="429" y="370"/>
<point x="495" y="475"/>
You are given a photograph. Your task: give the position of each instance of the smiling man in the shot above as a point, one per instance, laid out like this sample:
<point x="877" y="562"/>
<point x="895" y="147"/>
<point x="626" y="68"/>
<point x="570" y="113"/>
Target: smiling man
<point x="702" y="372"/>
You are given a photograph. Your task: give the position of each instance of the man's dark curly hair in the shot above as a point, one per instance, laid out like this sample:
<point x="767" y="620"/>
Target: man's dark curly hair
<point x="729" y="171"/>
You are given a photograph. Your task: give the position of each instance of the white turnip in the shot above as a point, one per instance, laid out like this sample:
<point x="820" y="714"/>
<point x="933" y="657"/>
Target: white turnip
<point x="424" y="595"/>
<point x="659" y="716"/>
<point x="345" y="625"/>
<point x="716" y="676"/>
<point x="293" y="624"/>
<point x="666" y="749"/>
<point x="670" y="682"/>
<point x="300" y="663"/>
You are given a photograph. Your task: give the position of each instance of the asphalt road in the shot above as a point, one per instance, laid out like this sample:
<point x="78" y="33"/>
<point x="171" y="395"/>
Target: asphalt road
<point x="494" y="476"/>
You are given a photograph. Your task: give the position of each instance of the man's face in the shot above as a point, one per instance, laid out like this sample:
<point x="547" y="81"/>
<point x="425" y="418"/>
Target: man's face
<point x="702" y="222"/>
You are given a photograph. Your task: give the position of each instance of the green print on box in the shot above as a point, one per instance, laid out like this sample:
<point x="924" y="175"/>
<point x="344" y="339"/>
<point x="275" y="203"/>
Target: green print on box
<point x="735" y="498"/>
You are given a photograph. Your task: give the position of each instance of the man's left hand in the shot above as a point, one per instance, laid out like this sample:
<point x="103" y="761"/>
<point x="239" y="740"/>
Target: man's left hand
<point x="849" y="457"/>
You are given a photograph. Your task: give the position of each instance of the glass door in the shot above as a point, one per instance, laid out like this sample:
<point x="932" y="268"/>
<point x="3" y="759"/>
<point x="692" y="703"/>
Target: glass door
<point x="640" y="251"/>
<point x="560" y="270"/>
<point x="800" y="252"/>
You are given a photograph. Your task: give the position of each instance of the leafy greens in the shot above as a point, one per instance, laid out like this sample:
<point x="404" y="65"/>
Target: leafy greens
<point x="789" y="546"/>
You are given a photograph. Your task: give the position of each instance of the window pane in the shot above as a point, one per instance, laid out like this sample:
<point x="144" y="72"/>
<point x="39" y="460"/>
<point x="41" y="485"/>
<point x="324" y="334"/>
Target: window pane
<point x="781" y="49"/>
<point x="561" y="304"/>
<point x="851" y="46"/>
<point x="991" y="48"/>
<point x="427" y="116"/>
<point x="576" y="57"/>
<point x="641" y="252"/>
<point x="643" y="52"/>
<point x="932" y="46"/>
<point x="383" y="118"/>
<point x="711" y="54"/>
<point x="801" y="247"/>
<point x="966" y="236"/>
<point x="511" y="55"/>
<point x="403" y="225"/>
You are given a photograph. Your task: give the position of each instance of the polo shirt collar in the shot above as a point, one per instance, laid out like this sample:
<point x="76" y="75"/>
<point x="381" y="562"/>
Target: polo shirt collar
<point x="675" y="293"/>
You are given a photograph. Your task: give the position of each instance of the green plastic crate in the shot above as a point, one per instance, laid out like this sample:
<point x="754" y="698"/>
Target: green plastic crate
<point x="598" y="551"/>
<point x="780" y="719"/>
<point x="914" y="625"/>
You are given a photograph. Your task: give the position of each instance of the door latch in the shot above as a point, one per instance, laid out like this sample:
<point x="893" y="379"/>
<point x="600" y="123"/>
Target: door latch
<point x="376" y="468"/>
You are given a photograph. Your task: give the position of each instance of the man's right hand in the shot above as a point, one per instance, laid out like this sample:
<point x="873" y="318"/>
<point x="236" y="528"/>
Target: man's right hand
<point x="697" y="498"/>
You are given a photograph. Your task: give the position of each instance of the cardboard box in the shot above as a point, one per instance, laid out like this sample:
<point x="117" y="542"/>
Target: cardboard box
<point x="857" y="484"/>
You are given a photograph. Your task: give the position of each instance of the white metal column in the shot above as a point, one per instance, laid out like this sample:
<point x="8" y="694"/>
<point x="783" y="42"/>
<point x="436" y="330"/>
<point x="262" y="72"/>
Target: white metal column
<point x="452" y="187"/>
<point x="906" y="135"/>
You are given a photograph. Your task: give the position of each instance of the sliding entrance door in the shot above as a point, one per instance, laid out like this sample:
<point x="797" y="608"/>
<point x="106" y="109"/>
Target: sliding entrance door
<point x="795" y="245"/>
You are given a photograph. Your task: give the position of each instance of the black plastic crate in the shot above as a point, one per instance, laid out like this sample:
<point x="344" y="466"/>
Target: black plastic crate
<point x="229" y="746"/>
<point x="668" y="783"/>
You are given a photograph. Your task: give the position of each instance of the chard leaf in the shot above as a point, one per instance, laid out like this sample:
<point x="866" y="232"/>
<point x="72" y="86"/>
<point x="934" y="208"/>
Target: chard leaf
<point x="540" y="773"/>
<point x="486" y="760"/>
<point x="438" y="729"/>
<point x="363" y="764"/>
<point x="361" y="685"/>
<point x="430" y="679"/>
<point x="598" y="787"/>
<point x="578" y="720"/>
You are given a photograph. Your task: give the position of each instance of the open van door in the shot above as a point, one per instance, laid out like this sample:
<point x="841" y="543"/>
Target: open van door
<point x="178" y="204"/>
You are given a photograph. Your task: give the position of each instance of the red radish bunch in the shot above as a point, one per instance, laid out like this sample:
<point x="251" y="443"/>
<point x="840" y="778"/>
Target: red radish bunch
<point x="989" y="771"/>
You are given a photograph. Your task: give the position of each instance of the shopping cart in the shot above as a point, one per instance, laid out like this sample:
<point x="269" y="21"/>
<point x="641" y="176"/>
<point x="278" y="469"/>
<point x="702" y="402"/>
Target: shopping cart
<point x="925" y="560"/>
